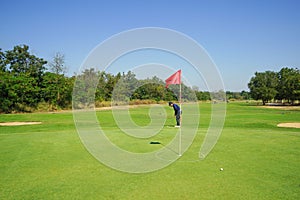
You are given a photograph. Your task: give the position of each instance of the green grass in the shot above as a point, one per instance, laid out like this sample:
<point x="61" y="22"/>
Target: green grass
<point x="48" y="161"/>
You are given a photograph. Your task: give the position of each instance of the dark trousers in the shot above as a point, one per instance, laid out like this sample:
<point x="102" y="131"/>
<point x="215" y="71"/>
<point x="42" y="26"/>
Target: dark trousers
<point x="178" y="118"/>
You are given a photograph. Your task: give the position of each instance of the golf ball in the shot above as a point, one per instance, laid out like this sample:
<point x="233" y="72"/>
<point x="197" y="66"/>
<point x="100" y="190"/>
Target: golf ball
<point x="221" y="169"/>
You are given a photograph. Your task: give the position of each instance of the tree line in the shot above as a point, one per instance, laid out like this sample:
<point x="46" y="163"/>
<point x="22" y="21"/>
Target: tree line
<point x="26" y="83"/>
<point x="29" y="83"/>
<point x="281" y="87"/>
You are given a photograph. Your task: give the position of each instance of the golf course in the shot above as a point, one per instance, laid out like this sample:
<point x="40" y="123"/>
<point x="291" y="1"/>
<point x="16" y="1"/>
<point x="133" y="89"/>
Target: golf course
<point x="252" y="159"/>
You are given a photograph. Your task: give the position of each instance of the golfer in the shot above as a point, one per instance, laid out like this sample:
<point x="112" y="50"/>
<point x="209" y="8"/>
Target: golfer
<point x="177" y="113"/>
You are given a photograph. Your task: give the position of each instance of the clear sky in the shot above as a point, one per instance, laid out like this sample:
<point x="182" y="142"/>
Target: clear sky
<point x="241" y="36"/>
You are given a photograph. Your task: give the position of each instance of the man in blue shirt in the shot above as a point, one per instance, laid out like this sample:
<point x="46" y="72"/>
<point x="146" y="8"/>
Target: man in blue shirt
<point x="177" y="112"/>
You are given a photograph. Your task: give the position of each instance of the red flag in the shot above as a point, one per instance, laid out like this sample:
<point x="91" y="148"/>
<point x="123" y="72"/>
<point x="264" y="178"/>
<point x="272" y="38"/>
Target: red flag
<point x="174" y="79"/>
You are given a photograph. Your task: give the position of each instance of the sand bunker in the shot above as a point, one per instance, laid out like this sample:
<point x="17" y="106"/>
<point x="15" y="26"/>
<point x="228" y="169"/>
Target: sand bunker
<point x="18" y="123"/>
<point x="282" y="107"/>
<point x="289" y="125"/>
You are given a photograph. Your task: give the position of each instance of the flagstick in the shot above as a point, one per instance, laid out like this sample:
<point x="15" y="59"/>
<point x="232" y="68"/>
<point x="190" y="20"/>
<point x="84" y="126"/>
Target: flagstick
<point x="174" y="79"/>
<point x="180" y="118"/>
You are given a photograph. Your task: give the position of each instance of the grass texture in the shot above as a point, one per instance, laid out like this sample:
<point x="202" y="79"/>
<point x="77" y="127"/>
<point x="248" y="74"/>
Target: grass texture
<point x="48" y="161"/>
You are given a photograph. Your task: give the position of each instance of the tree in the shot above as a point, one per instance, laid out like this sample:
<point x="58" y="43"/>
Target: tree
<point x="245" y="95"/>
<point x="6" y="98"/>
<point x="125" y="87"/>
<point x="20" y="61"/>
<point x="263" y="86"/>
<point x="203" y="95"/>
<point x="58" y="68"/>
<point x="85" y="88"/>
<point x="2" y="61"/>
<point x="150" y="88"/>
<point x="57" y="65"/>
<point x="21" y="76"/>
<point x="289" y="84"/>
<point x="106" y="86"/>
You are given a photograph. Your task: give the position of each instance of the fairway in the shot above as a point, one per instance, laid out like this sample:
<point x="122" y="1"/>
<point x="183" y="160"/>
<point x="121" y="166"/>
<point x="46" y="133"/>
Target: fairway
<point x="49" y="161"/>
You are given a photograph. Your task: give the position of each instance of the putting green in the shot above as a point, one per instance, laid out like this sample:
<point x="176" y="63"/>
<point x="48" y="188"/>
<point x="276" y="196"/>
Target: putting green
<point x="49" y="161"/>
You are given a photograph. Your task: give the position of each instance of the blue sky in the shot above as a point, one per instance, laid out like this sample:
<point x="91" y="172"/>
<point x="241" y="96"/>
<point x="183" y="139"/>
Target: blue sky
<point x="241" y="37"/>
